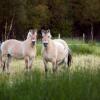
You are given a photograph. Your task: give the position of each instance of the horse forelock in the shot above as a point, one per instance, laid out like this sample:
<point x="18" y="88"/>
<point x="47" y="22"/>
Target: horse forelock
<point x="45" y="31"/>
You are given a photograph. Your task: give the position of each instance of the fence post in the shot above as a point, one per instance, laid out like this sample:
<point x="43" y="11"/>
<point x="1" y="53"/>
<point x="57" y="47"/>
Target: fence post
<point x="59" y="36"/>
<point x="83" y="37"/>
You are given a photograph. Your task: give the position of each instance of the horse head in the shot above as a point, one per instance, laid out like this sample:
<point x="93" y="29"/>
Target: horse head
<point x="46" y="35"/>
<point x="32" y="35"/>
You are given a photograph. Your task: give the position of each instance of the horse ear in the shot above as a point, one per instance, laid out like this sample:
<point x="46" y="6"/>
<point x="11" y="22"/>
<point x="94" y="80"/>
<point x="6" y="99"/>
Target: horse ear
<point x="29" y="34"/>
<point x="49" y="34"/>
<point x="42" y="32"/>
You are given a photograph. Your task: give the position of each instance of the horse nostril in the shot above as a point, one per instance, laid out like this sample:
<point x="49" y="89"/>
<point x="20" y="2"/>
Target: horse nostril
<point x="33" y="42"/>
<point x="45" y="44"/>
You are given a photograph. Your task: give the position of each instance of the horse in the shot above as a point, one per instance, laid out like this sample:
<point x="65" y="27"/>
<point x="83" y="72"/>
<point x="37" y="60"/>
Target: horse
<point x="55" y="51"/>
<point x="13" y="48"/>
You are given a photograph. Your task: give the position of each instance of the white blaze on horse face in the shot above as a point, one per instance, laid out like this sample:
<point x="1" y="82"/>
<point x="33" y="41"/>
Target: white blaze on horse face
<point x="32" y="34"/>
<point x="45" y="36"/>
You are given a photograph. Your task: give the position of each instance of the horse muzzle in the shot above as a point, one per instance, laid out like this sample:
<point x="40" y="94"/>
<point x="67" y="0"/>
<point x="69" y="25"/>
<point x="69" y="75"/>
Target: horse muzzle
<point x="33" y="42"/>
<point x="45" y="44"/>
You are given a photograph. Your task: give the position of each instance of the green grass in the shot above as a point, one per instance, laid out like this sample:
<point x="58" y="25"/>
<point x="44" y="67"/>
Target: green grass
<point x="74" y="41"/>
<point x="39" y="47"/>
<point x="83" y="48"/>
<point x="82" y="84"/>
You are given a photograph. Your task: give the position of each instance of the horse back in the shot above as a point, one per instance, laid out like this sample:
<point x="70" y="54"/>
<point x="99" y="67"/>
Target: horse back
<point x="11" y="47"/>
<point x="62" y="42"/>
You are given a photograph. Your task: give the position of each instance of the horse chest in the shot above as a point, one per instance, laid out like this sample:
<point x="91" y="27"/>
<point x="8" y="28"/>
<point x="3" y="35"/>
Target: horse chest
<point x="32" y="54"/>
<point x="48" y="56"/>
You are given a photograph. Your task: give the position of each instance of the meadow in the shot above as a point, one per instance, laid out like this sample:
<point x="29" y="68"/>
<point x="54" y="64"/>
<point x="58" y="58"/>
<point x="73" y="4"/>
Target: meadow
<point x="80" y="82"/>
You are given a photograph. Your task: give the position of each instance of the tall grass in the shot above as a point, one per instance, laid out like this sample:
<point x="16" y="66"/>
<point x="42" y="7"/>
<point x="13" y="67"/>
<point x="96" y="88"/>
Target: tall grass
<point x="77" y="83"/>
<point x="82" y="49"/>
<point x="77" y="49"/>
<point x="82" y="84"/>
<point x="39" y="48"/>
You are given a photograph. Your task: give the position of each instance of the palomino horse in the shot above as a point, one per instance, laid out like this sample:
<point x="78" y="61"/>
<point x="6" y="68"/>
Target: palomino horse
<point x="19" y="49"/>
<point x="55" y="51"/>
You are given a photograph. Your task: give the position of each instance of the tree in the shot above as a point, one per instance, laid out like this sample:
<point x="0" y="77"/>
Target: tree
<point x="91" y="14"/>
<point x="12" y="15"/>
<point x="85" y="14"/>
<point x="59" y="22"/>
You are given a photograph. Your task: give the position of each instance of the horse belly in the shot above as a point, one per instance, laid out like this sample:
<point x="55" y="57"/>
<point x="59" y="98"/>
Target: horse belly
<point x="61" y="53"/>
<point x="15" y="52"/>
<point x="18" y="56"/>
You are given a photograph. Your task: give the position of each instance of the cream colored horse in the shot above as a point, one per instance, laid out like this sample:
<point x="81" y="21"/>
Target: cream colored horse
<point x="20" y="50"/>
<point x="55" y="51"/>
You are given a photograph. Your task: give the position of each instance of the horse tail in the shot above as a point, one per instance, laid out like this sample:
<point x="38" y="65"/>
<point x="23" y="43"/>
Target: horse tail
<point x="69" y="58"/>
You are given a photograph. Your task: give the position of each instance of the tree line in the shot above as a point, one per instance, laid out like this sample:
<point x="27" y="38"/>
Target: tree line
<point x="65" y="17"/>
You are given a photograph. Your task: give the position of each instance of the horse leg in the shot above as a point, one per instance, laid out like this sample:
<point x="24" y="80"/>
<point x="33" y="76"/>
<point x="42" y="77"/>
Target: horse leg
<point x="26" y="62"/>
<point x="54" y="64"/>
<point x="3" y="63"/>
<point x="30" y="63"/>
<point x="45" y="65"/>
<point x="8" y="63"/>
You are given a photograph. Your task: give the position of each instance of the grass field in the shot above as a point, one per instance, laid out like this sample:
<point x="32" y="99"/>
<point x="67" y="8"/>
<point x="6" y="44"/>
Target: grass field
<point x="80" y="82"/>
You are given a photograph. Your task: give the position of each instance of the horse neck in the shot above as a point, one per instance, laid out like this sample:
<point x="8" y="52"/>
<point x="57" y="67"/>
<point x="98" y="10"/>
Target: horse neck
<point x="28" y="40"/>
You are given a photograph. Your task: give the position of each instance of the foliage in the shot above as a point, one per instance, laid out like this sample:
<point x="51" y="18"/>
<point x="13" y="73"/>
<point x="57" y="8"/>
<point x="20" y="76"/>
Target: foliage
<point x="61" y="16"/>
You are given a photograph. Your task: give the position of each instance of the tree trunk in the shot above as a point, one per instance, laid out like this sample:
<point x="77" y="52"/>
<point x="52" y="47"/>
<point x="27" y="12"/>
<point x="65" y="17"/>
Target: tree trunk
<point x="5" y="35"/>
<point x="11" y="24"/>
<point x="83" y="37"/>
<point x="92" y="36"/>
<point x="10" y="28"/>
